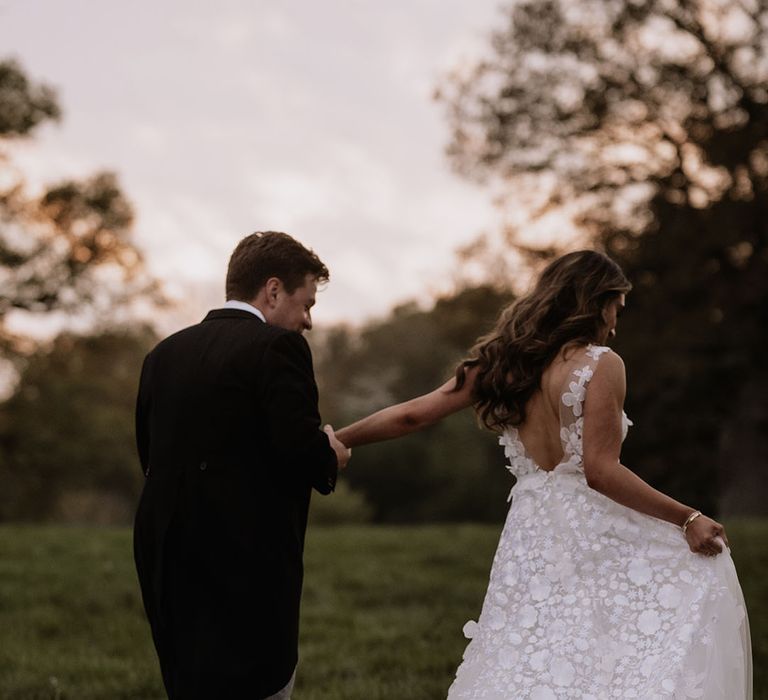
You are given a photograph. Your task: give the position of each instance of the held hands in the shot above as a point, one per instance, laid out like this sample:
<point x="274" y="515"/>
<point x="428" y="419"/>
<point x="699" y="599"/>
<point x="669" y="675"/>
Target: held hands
<point x="343" y="453"/>
<point x="706" y="536"/>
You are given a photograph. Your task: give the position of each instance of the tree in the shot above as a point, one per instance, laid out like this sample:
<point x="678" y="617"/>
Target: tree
<point x="69" y="249"/>
<point x="67" y="446"/>
<point x="645" y="123"/>
<point x="609" y="102"/>
<point x="66" y="433"/>
<point x="23" y="105"/>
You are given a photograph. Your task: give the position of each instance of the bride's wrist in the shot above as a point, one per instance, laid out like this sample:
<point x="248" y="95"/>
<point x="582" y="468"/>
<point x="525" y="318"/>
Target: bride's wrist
<point x="691" y="517"/>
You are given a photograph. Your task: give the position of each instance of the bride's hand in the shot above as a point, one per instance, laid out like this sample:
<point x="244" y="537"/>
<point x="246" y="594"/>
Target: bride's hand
<point x="706" y="536"/>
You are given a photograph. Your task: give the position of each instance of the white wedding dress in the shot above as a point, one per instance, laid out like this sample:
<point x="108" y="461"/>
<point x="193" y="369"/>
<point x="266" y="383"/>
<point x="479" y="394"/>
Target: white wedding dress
<point x="591" y="600"/>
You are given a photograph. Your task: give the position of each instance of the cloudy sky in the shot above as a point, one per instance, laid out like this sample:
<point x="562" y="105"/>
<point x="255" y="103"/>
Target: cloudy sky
<point x="222" y="118"/>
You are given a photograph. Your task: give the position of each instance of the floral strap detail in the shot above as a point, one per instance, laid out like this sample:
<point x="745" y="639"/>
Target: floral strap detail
<point x="572" y="408"/>
<point x="577" y="390"/>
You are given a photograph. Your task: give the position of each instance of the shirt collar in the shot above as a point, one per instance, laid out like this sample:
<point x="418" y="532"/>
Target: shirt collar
<point x="243" y="306"/>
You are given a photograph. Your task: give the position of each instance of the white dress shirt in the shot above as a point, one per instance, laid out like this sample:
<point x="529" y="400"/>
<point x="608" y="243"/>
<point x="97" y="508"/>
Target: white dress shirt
<point x="243" y="306"/>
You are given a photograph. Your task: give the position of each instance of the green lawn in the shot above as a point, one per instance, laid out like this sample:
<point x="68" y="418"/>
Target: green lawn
<point x="382" y="614"/>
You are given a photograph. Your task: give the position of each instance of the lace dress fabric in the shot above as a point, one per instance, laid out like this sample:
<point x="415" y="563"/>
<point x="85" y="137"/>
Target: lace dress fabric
<point x="589" y="599"/>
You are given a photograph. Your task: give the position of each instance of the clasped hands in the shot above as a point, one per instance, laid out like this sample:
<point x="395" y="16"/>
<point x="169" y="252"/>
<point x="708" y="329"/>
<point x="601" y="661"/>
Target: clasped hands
<point x="343" y="453"/>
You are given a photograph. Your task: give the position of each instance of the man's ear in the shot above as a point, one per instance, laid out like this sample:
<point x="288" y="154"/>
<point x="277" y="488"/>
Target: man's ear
<point x="273" y="287"/>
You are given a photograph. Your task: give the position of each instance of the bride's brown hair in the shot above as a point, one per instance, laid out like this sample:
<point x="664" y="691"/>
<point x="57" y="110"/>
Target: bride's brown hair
<point x="563" y="309"/>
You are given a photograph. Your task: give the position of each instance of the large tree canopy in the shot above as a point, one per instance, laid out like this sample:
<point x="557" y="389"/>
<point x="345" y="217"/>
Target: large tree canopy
<point x="615" y="100"/>
<point x="69" y="248"/>
<point x="66" y="432"/>
<point x="646" y="123"/>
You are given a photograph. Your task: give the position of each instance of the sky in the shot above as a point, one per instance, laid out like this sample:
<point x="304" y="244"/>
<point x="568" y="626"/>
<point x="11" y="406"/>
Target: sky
<point x="314" y="118"/>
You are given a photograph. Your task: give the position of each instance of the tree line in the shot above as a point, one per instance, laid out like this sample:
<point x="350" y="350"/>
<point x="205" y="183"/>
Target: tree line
<point x="650" y="141"/>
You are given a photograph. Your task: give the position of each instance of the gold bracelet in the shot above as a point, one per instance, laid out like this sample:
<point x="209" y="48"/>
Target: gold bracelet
<point x="690" y="519"/>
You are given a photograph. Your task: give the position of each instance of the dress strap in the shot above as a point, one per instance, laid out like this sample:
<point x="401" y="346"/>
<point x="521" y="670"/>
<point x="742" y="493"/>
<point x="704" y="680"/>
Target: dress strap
<point x="572" y="399"/>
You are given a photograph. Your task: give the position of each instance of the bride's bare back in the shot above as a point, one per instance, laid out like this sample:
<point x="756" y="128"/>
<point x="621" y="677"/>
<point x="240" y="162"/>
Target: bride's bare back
<point x="540" y="433"/>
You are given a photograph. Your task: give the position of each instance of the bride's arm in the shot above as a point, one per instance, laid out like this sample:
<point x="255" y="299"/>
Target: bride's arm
<point x="409" y="416"/>
<point x="602" y="437"/>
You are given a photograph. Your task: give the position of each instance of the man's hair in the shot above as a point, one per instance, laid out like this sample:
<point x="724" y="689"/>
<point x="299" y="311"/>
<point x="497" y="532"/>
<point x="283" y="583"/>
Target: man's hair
<point x="266" y="254"/>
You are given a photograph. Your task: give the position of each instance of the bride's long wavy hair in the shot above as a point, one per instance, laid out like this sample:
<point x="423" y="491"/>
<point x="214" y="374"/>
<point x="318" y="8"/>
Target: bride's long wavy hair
<point x="564" y="309"/>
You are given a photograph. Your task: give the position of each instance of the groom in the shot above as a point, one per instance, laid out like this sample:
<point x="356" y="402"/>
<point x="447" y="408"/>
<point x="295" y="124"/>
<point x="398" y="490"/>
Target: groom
<point x="230" y="443"/>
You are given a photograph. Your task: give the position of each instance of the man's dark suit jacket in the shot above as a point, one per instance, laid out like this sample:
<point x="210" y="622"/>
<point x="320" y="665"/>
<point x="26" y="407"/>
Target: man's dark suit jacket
<point x="229" y="439"/>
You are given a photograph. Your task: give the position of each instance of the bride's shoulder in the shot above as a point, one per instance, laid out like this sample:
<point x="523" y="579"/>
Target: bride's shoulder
<point x="603" y="353"/>
<point x="594" y="354"/>
<point x="588" y="360"/>
<point x="610" y="368"/>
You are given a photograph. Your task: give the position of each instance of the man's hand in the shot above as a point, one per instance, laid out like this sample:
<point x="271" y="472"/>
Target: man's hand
<point x="342" y="452"/>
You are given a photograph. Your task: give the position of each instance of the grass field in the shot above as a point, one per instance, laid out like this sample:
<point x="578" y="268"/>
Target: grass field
<point x="381" y="619"/>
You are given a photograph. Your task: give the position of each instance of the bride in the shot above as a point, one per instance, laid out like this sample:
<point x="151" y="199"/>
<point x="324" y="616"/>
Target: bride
<point x="601" y="586"/>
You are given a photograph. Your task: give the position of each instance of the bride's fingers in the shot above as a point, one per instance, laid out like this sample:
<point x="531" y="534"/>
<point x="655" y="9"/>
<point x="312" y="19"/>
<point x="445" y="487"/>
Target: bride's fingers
<point x="713" y="547"/>
<point x="707" y="548"/>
